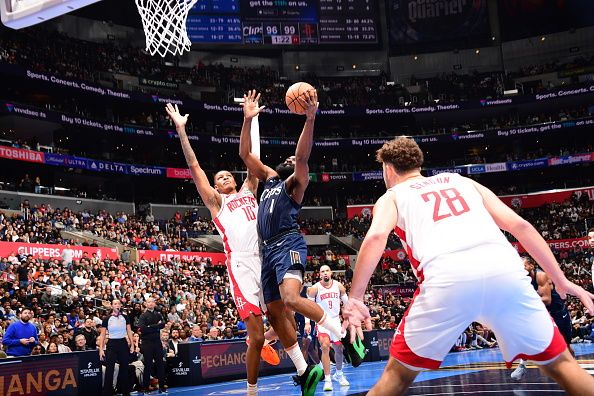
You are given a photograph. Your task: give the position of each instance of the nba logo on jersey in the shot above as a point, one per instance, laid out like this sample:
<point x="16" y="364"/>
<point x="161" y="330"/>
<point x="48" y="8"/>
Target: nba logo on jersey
<point x="295" y="257"/>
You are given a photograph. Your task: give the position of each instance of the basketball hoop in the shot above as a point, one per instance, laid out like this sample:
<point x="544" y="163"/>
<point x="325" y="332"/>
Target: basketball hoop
<point x="164" y="23"/>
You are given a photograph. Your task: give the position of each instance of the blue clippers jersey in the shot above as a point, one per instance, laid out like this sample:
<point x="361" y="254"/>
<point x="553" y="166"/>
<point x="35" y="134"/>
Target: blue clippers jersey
<point x="277" y="212"/>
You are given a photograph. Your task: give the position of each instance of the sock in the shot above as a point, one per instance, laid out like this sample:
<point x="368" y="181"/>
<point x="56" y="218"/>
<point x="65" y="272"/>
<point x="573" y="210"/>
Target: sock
<point x="338" y="373"/>
<point x="327" y="378"/>
<point x="333" y="326"/>
<point x="297" y="358"/>
<point x="522" y="363"/>
<point x="252" y="389"/>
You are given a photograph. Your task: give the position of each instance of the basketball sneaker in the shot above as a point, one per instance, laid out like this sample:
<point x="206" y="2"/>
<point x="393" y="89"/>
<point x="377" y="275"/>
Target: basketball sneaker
<point x="355" y="352"/>
<point x="328" y="386"/>
<point x="309" y="380"/>
<point x="268" y="353"/>
<point x="519" y="373"/>
<point x="341" y="379"/>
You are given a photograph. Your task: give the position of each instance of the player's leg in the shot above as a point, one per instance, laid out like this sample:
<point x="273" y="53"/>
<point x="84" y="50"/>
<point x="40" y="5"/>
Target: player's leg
<point x="255" y="330"/>
<point x="440" y="311"/>
<point x="325" y="345"/>
<point x="307" y="376"/>
<point x="567" y="372"/>
<point x="339" y="358"/>
<point x="290" y="290"/>
<point x="246" y="289"/>
<point x="563" y="321"/>
<point x="395" y="379"/>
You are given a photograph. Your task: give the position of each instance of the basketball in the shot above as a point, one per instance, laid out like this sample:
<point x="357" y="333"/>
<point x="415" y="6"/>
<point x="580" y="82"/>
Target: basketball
<point x="293" y="93"/>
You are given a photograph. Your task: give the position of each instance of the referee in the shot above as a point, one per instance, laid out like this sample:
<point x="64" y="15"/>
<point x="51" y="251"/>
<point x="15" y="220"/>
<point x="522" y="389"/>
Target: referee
<point x="118" y="348"/>
<point x="151" y="322"/>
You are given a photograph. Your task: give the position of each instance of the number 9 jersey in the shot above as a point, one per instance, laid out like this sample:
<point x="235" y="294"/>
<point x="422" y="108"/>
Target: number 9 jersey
<point x="443" y="215"/>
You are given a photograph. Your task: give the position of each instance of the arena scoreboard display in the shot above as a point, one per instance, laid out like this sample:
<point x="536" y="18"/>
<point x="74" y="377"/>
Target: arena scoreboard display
<point x="284" y="22"/>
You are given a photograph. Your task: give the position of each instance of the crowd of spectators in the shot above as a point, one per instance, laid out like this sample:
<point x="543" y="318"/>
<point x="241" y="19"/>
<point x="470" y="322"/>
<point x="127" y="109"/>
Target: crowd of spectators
<point x="53" y="52"/>
<point x="43" y="224"/>
<point x="65" y="299"/>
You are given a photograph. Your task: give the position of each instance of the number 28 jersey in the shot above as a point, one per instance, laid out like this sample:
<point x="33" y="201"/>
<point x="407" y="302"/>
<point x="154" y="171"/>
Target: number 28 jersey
<point x="441" y="215"/>
<point x="236" y="222"/>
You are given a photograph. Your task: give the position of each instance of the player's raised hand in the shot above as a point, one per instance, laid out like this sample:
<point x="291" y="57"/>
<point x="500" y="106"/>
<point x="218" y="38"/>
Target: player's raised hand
<point x="309" y="100"/>
<point x="353" y="313"/>
<point x="178" y="119"/>
<point x="566" y="287"/>
<point x="250" y="104"/>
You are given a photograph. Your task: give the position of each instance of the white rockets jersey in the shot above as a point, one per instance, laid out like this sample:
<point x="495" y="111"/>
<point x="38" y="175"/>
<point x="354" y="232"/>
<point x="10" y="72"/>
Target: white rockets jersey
<point x="443" y="214"/>
<point x="236" y="222"/>
<point x="329" y="298"/>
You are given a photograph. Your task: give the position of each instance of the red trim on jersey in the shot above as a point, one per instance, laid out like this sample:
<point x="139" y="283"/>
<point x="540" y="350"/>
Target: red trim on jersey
<point x="402" y="235"/>
<point x="244" y="307"/>
<point x="400" y="350"/>
<point x="555" y="348"/>
<point x="331" y="284"/>
<point x="225" y="239"/>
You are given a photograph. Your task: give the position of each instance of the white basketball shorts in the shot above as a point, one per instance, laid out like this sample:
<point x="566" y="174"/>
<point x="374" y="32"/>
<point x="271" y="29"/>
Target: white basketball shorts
<point x="244" y="270"/>
<point x="489" y="287"/>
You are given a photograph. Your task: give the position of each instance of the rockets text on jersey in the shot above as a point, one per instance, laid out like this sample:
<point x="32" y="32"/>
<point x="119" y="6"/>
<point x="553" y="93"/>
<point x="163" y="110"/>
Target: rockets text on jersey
<point x="236" y="221"/>
<point x="328" y="298"/>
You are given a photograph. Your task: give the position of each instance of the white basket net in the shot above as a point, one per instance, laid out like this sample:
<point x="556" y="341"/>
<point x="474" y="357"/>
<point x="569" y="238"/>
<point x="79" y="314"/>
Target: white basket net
<point x="164" y="24"/>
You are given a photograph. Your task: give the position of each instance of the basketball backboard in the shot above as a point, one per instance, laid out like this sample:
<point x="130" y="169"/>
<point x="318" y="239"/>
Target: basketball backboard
<point x="19" y="14"/>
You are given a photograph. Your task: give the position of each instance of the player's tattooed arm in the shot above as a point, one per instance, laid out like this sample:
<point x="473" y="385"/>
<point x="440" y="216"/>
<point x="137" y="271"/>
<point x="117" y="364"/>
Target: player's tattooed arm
<point x="210" y="197"/>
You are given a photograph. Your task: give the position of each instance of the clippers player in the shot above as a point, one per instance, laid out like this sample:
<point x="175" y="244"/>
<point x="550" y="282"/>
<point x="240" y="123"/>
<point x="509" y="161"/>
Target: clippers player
<point x="554" y="303"/>
<point x="328" y="294"/>
<point x="467" y="271"/>
<point x="284" y="250"/>
<point x="234" y="215"/>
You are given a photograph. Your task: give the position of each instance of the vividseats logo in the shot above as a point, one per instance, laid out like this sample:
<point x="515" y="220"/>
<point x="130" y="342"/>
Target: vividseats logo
<point x="9" y="107"/>
<point x="485" y="102"/>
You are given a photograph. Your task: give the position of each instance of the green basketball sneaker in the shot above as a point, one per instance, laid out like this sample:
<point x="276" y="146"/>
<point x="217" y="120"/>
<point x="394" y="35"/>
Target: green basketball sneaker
<point x="309" y="380"/>
<point x="355" y="352"/>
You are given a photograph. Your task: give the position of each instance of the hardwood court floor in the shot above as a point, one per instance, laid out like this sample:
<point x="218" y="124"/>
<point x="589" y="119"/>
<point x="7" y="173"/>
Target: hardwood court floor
<point x="462" y="373"/>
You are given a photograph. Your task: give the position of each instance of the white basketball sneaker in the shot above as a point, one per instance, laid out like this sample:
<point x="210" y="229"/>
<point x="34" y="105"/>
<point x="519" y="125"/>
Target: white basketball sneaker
<point x="519" y="373"/>
<point x="341" y="379"/>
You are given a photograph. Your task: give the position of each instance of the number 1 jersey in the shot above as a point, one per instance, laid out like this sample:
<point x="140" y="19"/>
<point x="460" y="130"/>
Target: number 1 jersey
<point x="441" y="215"/>
<point x="278" y="211"/>
<point x="236" y="222"/>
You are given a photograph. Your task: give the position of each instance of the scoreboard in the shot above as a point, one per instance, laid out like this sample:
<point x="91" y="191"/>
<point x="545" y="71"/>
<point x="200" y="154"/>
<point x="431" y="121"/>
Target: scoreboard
<point x="284" y="22"/>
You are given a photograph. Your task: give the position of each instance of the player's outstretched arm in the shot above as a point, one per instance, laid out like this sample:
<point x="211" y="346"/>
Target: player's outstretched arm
<point x="251" y="161"/>
<point x="297" y="183"/>
<point x="210" y="197"/>
<point x="534" y="244"/>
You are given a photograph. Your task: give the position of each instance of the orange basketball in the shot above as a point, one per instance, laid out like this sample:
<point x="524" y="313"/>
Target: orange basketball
<point x="295" y="91"/>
